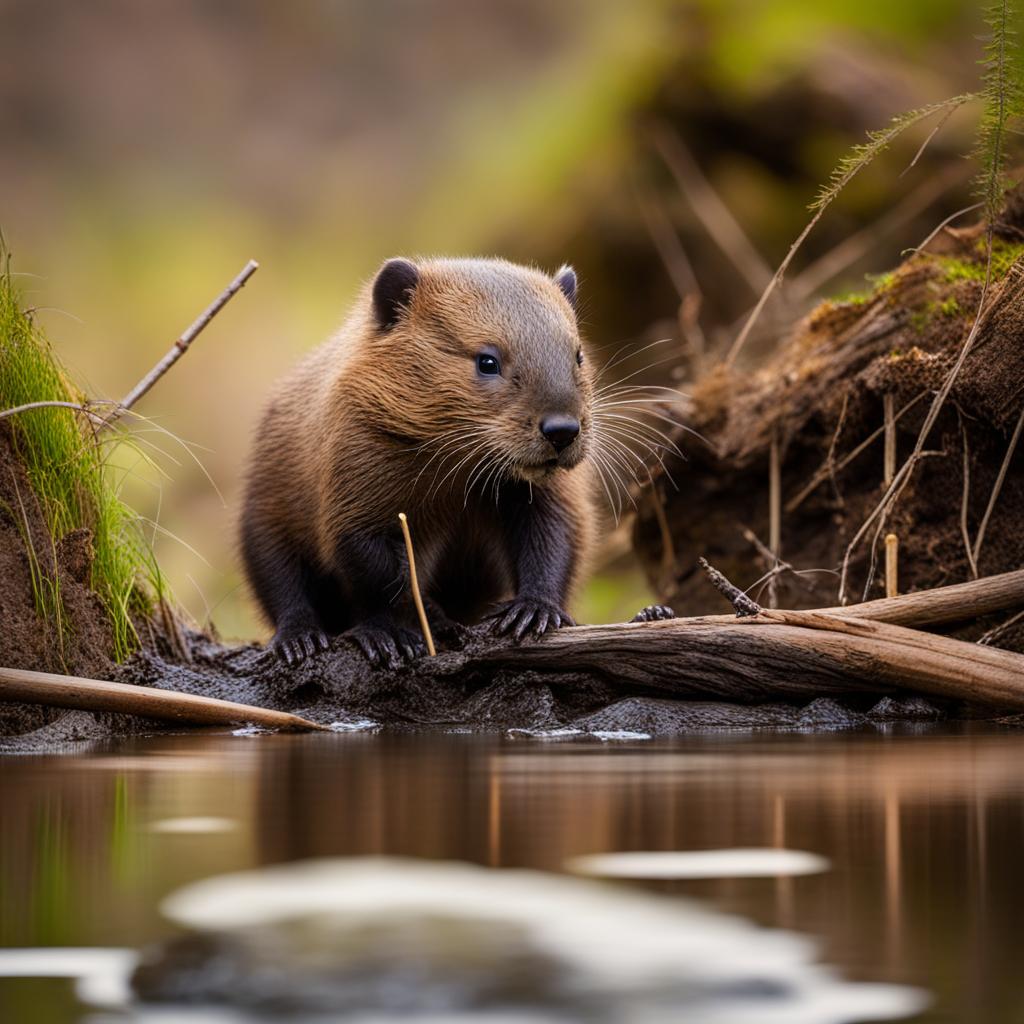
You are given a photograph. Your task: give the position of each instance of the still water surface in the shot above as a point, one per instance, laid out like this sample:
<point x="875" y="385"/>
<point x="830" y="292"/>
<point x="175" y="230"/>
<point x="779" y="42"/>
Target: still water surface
<point x="921" y="834"/>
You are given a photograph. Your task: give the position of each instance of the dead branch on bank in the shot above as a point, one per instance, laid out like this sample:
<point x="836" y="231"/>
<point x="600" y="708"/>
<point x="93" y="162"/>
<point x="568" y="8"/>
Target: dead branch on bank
<point x="773" y="655"/>
<point x="180" y="346"/>
<point x="80" y="694"/>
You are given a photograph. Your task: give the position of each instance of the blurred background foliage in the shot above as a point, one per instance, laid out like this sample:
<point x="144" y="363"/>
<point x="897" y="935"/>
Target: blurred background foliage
<point x="147" y="150"/>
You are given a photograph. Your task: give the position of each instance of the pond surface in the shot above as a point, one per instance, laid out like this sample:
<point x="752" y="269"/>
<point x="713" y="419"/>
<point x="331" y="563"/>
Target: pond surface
<point x="917" y="837"/>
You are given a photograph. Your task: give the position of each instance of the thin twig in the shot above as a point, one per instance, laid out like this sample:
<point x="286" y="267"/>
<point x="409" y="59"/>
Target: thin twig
<point x="77" y="407"/>
<point x="965" y="501"/>
<point x="857" y="245"/>
<point x="928" y="138"/>
<point x="718" y="221"/>
<point x="986" y="639"/>
<point x="827" y="469"/>
<point x="680" y="271"/>
<point x="889" y="450"/>
<point x="842" y="178"/>
<point x="180" y="347"/>
<point x="744" y="605"/>
<point x="942" y="225"/>
<point x="414" y="585"/>
<point x="774" y="513"/>
<point x="997" y="487"/>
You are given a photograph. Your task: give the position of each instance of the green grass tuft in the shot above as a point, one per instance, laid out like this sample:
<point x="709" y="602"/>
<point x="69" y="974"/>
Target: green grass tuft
<point x="66" y="467"/>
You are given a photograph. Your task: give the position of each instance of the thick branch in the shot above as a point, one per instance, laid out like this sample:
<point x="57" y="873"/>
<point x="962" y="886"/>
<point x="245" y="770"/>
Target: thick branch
<point x="771" y="656"/>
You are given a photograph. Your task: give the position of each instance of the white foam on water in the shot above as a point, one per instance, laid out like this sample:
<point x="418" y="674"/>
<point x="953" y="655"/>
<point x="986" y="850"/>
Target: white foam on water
<point x="193" y="826"/>
<point x="620" y="735"/>
<point x="101" y="975"/>
<point x="354" y="725"/>
<point x="758" y="862"/>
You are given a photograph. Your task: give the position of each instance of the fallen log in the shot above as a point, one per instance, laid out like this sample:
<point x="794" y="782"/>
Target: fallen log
<point x="765" y="657"/>
<point x="100" y="695"/>
<point x="771" y="656"/>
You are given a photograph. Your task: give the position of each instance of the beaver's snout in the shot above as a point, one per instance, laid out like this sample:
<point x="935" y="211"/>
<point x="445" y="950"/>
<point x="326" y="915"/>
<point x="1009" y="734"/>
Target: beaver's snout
<point x="560" y="431"/>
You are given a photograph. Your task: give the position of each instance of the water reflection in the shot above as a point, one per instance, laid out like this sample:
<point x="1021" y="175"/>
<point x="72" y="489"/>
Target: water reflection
<point x="335" y="940"/>
<point x="924" y="833"/>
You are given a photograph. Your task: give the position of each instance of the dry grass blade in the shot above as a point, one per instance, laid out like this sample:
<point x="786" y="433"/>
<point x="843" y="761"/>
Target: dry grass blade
<point x="847" y="169"/>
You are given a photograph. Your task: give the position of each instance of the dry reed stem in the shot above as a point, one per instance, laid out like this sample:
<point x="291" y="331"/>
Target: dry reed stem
<point x="889" y="453"/>
<point x="713" y="214"/>
<point x="892" y="554"/>
<point x="965" y="498"/>
<point x="774" y="514"/>
<point x="415" y="586"/>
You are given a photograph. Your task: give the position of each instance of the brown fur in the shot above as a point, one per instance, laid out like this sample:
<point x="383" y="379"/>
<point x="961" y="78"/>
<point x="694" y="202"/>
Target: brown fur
<point x="375" y="422"/>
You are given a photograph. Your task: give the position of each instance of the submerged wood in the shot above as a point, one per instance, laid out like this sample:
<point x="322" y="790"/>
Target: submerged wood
<point x="100" y="695"/>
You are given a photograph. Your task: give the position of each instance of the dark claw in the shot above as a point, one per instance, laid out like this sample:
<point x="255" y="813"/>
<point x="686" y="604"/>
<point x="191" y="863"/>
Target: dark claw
<point x="654" y="613"/>
<point x="295" y="648"/>
<point x="387" y="643"/>
<point x="525" y="616"/>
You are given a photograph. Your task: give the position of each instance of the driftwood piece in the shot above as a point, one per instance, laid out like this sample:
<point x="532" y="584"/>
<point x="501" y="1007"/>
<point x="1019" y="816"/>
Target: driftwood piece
<point x="98" y="695"/>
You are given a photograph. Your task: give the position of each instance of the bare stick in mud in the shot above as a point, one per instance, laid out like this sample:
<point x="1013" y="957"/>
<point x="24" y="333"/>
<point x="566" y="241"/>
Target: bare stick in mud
<point x="414" y="585"/>
<point x="180" y="347"/>
<point x="73" y="692"/>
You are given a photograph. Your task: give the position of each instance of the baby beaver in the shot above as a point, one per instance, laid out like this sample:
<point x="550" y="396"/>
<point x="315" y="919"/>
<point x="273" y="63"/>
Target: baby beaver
<point x="457" y="391"/>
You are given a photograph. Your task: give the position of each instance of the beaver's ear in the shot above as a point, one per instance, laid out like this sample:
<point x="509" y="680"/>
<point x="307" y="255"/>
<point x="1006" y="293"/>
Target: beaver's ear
<point x="565" y="278"/>
<point x="392" y="289"/>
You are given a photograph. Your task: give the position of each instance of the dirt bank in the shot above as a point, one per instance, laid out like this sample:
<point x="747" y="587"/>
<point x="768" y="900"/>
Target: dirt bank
<point x="820" y="401"/>
<point x="72" y="635"/>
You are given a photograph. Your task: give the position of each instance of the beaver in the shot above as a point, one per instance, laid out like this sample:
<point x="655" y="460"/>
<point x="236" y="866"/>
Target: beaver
<point x="459" y="392"/>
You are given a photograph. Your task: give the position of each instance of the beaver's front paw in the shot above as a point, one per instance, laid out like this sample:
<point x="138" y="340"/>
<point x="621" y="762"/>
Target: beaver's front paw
<point x="653" y="612"/>
<point x="528" y="615"/>
<point x="294" y="645"/>
<point x="384" y="642"/>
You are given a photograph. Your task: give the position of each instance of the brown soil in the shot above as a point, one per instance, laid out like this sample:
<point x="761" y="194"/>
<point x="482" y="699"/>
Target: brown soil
<point x="821" y="396"/>
<point x="83" y="644"/>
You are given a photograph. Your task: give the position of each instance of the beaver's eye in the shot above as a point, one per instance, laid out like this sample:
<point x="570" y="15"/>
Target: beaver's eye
<point x="488" y="364"/>
<point x="579" y="357"/>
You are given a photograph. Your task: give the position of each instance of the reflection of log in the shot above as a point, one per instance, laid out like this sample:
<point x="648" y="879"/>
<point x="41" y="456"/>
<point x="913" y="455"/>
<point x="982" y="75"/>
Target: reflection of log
<point x="98" y="695"/>
<point x="773" y="655"/>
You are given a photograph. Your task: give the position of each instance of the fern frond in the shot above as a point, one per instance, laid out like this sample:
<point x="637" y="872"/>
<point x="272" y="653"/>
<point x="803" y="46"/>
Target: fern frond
<point x="877" y="142"/>
<point x="1003" y="94"/>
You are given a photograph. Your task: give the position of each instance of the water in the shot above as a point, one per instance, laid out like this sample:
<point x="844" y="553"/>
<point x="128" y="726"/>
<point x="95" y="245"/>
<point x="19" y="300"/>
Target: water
<point x="917" y="838"/>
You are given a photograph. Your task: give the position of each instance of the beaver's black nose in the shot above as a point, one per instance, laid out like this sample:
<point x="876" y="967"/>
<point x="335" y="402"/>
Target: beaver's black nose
<point x="561" y="431"/>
